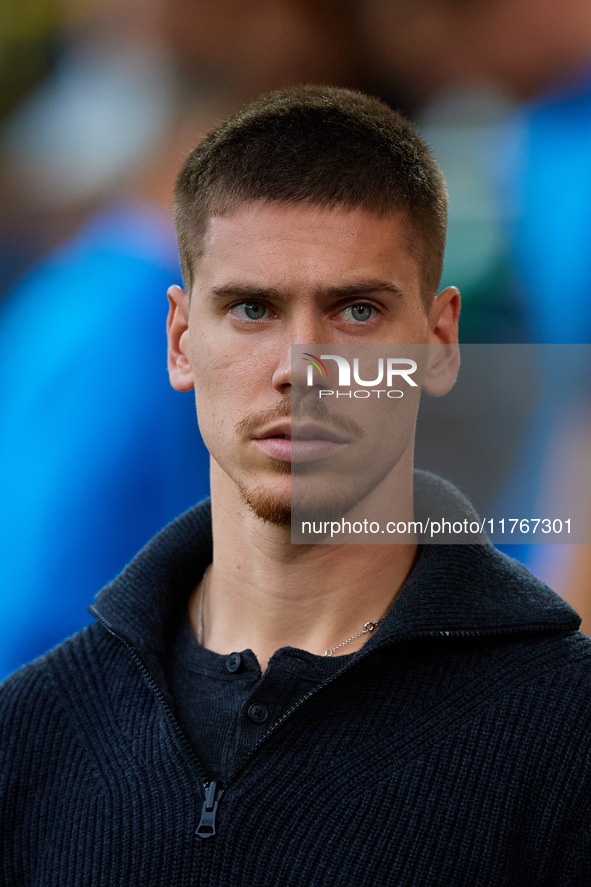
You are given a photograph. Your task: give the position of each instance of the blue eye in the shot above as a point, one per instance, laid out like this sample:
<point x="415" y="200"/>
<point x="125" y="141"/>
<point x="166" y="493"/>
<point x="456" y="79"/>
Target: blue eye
<point x="250" y="310"/>
<point x="360" y="312"/>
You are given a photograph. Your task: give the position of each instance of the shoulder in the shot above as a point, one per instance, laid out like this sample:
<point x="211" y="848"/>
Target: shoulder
<point x="564" y="659"/>
<point x="570" y="657"/>
<point x="59" y="726"/>
<point x="39" y="695"/>
<point x="538" y="686"/>
<point x="59" y="745"/>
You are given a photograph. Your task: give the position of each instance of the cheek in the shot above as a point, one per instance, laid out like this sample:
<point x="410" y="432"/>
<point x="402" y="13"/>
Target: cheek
<point x="388" y="425"/>
<point x="224" y="372"/>
<point x="216" y="387"/>
<point x="230" y="382"/>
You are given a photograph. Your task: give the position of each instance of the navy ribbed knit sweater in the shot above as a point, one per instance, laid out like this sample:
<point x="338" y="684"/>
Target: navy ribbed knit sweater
<point x="453" y="749"/>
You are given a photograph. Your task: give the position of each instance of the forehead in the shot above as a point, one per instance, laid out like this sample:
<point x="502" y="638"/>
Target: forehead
<point x="300" y="246"/>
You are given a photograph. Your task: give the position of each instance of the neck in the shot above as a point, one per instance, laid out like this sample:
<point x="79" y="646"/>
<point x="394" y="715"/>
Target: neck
<point x="264" y="593"/>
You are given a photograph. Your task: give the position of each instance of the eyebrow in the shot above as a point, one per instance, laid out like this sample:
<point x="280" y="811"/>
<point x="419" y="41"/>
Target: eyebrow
<point x="360" y="288"/>
<point x="357" y="288"/>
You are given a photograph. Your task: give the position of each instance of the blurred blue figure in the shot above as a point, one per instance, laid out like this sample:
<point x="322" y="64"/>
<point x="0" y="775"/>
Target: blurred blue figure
<point x="97" y="452"/>
<point x="550" y="186"/>
<point x="545" y="161"/>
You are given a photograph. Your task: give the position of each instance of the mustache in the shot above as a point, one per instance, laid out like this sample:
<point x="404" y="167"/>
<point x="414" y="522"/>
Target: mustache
<point x="300" y="409"/>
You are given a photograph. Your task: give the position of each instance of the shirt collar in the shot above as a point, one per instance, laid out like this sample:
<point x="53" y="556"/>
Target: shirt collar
<point x="453" y="589"/>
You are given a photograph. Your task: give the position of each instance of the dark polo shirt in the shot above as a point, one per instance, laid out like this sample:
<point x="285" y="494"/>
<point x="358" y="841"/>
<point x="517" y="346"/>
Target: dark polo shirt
<point x="224" y="704"/>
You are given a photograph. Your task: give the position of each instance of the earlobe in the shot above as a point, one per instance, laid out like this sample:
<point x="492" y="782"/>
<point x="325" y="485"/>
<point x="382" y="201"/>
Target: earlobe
<point x="177" y="328"/>
<point x="443" y="364"/>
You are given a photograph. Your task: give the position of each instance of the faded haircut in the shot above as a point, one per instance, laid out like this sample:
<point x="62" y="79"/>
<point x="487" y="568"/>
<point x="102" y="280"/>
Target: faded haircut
<point x="322" y="146"/>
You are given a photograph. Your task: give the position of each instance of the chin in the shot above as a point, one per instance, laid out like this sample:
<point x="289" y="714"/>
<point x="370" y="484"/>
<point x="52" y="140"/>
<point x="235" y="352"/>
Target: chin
<point x="269" y="507"/>
<point x="280" y="509"/>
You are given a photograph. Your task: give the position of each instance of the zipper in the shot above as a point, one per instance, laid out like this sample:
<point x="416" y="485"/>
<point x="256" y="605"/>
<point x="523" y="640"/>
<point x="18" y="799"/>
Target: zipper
<point x="206" y="827"/>
<point x="214" y="789"/>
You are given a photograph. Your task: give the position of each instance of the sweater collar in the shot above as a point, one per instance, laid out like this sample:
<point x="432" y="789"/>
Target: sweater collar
<point x="453" y="589"/>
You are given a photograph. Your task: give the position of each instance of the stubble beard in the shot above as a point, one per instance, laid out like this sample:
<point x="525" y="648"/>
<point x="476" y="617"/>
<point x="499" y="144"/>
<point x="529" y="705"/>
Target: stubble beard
<point x="311" y="503"/>
<point x="279" y="510"/>
<point x="268" y="507"/>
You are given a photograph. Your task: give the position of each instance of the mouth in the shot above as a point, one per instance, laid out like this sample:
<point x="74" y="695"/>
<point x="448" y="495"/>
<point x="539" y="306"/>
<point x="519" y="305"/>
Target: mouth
<point x="302" y="442"/>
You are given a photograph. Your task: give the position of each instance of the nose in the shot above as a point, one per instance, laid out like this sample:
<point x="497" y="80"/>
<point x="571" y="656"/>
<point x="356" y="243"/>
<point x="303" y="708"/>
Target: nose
<point x="291" y="369"/>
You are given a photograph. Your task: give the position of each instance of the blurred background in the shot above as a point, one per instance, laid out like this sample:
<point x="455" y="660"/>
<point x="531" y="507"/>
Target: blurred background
<point x="100" y="102"/>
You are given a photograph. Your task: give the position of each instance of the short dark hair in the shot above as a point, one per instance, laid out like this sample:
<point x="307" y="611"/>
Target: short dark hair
<point x="320" y="145"/>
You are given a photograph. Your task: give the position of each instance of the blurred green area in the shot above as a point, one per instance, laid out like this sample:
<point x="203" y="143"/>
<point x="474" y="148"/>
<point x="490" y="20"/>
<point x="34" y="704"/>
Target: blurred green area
<point x="30" y="32"/>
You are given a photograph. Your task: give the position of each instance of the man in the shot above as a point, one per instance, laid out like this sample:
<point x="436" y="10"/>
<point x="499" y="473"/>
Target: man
<point x="196" y="733"/>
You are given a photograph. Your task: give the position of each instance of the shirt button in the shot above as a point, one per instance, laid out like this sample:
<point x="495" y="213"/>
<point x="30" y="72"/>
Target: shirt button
<point x="233" y="662"/>
<point x="258" y="713"/>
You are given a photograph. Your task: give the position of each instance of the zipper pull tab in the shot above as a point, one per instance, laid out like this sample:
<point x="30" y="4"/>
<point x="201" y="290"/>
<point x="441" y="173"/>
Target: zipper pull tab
<point x="206" y="827"/>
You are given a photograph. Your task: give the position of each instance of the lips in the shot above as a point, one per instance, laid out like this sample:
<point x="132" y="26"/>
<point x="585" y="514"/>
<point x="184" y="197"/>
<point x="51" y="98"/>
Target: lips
<point x="301" y="442"/>
<point x="302" y="431"/>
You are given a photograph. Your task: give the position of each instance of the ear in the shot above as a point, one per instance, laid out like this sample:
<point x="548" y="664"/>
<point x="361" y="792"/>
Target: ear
<point x="443" y="361"/>
<point x="177" y="329"/>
